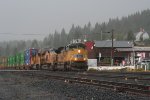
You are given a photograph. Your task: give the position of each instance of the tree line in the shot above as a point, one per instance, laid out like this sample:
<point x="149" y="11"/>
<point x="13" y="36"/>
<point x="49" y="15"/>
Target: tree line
<point x="124" y="29"/>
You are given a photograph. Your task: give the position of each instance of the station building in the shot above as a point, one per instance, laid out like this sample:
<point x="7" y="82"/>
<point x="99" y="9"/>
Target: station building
<point x="122" y="51"/>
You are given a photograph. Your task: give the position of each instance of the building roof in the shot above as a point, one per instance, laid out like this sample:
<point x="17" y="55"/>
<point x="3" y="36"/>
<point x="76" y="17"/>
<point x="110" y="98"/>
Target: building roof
<point x="118" y="44"/>
<point x="140" y="49"/>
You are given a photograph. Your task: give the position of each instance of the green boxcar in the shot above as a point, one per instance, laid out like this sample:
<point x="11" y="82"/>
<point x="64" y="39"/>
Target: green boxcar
<point x="9" y="61"/>
<point x="22" y="59"/>
<point x="13" y="61"/>
<point x="17" y="60"/>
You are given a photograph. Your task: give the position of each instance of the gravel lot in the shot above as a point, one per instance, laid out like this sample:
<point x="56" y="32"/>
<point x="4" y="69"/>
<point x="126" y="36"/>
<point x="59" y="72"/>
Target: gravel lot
<point x="18" y="87"/>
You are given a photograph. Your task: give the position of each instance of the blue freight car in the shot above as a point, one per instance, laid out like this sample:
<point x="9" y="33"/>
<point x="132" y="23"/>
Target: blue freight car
<point x="28" y="54"/>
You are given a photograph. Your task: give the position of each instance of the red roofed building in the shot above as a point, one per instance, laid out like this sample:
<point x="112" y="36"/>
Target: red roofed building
<point x="90" y="47"/>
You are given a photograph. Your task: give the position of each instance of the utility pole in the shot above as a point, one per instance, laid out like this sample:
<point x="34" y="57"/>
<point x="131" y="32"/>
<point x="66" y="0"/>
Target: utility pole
<point x="101" y="35"/>
<point x="112" y="47"/>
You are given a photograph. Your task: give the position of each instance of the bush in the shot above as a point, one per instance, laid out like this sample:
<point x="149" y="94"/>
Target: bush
<point x="92" y="70"/>
<point x="139" y="70"/>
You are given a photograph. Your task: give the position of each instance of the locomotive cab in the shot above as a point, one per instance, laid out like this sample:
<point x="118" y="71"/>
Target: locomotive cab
<point x="76" y="56"/>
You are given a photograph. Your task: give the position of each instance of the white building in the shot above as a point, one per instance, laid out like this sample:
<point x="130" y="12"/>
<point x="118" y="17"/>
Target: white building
<point x="142" y="35"/>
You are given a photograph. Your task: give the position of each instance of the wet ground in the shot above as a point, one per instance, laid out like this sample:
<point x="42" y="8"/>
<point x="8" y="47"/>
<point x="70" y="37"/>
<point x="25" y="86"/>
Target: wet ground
<point x="18" y="87"/>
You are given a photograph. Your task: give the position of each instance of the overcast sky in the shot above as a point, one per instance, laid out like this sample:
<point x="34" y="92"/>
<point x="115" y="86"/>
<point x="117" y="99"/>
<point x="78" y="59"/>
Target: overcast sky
<point x="41" y="17"/>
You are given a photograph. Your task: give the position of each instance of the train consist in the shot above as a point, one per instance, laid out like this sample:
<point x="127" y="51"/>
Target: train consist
<point x="70" y="57"/>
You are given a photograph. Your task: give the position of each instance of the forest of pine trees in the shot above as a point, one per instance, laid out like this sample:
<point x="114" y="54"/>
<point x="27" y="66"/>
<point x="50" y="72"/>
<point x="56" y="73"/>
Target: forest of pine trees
<point x="124" y="29"/>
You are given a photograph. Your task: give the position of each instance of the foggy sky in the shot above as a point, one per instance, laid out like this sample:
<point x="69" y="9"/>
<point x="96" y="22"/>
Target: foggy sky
<point x="21" y="17"/>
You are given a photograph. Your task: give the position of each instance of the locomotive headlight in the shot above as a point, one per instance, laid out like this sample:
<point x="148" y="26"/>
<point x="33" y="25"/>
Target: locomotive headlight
<point x="79" y="51"/>
<point x="75" y="59"/>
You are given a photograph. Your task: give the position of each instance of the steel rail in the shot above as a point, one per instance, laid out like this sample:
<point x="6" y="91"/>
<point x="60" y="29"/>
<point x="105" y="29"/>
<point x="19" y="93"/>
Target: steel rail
<point x="116" y="86"/>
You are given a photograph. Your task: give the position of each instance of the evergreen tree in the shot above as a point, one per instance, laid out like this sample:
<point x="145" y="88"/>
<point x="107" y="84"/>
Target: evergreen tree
<point x="122" y="27"/>
<point x="56" y="42"/>
<point x="7" y="53"/>
<point x="34" y="44"/>
<point x="130" y="36"/>
<point x="63" y="38"/>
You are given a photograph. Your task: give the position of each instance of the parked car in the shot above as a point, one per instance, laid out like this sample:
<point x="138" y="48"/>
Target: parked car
<point x="145" y="61"/>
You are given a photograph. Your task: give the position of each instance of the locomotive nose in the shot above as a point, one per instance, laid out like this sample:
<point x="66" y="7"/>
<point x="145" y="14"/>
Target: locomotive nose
<point x="79" y="51"/>
<point x="79" y="57"/>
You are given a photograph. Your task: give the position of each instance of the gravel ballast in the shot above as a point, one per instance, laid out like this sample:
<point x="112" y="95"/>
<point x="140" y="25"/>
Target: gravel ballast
<point x="19" y="87"/>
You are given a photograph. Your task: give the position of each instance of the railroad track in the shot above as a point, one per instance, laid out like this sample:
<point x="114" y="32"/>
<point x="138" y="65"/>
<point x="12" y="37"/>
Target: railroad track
<point x="116" y="86"/>
<point x="136" y="78"/>
<point x="125" y="77"/>
<point x="129" y="73"/>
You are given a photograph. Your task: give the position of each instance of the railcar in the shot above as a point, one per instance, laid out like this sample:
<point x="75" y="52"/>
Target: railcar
<point x="36" y="61"/>
<point x="44" y="59"/>
<point x="70" y="57"/>
<point x="22" y="60"/>
<point x="73" y="57"/>
<point x="29" y="58"/>
<point x="3" y="62"/>
<point x="11" y="61"/>
<point x="17" y="60"/>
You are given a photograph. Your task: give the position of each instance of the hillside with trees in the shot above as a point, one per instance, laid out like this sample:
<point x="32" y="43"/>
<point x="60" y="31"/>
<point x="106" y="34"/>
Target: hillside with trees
<point x="124" y="29"/>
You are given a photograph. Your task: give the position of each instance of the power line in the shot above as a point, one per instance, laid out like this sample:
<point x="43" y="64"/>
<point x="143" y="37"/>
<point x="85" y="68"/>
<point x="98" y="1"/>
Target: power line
<point x="20" y="34"/>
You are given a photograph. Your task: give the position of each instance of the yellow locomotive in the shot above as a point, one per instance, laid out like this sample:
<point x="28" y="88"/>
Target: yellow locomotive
<point x="44" y="59"/>
<point x="71" y="57"/>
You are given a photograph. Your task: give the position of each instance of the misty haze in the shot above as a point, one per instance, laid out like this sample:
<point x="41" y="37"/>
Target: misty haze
<point x="74" y="49"/>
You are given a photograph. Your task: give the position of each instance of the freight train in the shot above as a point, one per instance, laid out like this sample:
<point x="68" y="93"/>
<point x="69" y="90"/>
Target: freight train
<point x="70" y="57"/>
